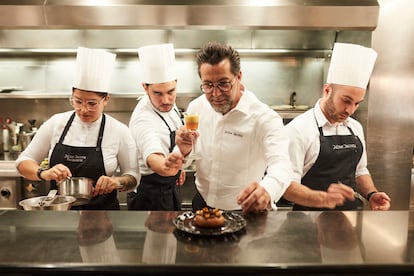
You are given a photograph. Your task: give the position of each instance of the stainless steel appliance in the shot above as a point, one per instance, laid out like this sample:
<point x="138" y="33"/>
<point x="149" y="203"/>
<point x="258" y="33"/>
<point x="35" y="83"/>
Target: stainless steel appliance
<point x="10" y="193"/>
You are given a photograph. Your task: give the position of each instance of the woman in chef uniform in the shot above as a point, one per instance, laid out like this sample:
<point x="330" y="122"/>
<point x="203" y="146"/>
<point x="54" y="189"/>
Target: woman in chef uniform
<point x="153" y="124"/>
<point x="85" y="142"/>
<point x="327" y="146"/>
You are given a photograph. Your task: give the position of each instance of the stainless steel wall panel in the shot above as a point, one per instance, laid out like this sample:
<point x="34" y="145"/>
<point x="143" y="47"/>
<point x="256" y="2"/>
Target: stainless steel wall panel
<point x="293" y="39"/>
<point x="130" y="39"/>
<point x="22" y="14"/>
<point x="23" y="72"/>
<point x="274" y="79"/>
<point x="43" y="39"/>
<point x="194" y="39"/>
<point x="293" y="42"/>
<point x="358" y="37"/>
<point x="390" y="108"/>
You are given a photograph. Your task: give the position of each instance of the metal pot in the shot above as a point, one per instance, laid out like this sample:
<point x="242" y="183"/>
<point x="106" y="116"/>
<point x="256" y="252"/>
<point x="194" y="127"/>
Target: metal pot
<point x="79" y="187"/>
<point x="60" y="203"/>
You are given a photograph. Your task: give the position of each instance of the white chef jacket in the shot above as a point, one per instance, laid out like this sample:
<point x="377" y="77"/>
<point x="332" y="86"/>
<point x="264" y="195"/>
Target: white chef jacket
<point x="150" y="132"/>
<point x="304" y="140"/>
<point x="118" y="146"/>
<point x="237" y="148"/>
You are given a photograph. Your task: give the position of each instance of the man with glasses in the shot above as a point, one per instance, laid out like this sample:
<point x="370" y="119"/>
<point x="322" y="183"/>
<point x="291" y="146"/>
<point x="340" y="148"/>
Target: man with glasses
<point x="85" y="142"/>
<point x="242" y="160"/>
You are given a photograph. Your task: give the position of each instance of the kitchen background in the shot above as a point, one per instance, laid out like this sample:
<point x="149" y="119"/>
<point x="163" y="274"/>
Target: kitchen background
<point x="273" y="69"/>
<point x="284" y="45"/>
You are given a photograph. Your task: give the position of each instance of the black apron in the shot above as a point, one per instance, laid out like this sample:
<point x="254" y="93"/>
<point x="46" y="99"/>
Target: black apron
<point x="337" y="161"/>
<point x="87" y="162"/>
<point x="156" y="192"/>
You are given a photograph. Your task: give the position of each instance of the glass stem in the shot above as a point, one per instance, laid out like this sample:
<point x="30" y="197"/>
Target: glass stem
<point x="193" y="147"/>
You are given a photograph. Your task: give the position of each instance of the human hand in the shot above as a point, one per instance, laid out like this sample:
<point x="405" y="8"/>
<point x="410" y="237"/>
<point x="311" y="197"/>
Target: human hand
<point x="58" y="173"/>
<point x="380" y="201"/>
<point x="174" y="161"/>
<point x="253" y="198"/>
<point x="336" y="195"/>
<point x="105" y="185"/>
<point x="184" y="139"/>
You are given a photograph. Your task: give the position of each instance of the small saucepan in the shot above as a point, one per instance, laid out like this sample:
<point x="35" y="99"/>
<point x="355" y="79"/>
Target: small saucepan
<point x="79" y="187"/>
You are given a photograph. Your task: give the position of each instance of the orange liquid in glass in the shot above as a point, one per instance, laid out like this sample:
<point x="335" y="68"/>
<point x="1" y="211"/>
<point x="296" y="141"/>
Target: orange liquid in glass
<point x="191" y="122"/>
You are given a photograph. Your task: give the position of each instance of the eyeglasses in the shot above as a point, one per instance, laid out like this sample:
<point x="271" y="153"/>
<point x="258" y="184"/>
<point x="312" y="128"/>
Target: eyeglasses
<point x="91" y="105"/>
<point x="223" y="86"/>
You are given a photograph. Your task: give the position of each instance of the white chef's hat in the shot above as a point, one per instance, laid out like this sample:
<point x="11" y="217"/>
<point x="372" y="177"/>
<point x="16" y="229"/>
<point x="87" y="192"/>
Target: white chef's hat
<point x="351" y="65"/>
<point x="157" y="63"/>
<point x="93" y="69"/>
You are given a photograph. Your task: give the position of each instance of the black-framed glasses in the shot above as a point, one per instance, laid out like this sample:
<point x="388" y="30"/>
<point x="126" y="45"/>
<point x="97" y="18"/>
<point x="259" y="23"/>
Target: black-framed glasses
<point x="223" y="86"/>
<point x="91" y="105"/>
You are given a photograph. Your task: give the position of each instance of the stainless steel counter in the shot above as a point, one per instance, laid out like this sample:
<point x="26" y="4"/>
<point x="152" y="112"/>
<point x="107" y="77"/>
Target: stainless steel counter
<point x="7" y="169"/>
<point x="14" y="184"/>
<point x="143" y="243"/>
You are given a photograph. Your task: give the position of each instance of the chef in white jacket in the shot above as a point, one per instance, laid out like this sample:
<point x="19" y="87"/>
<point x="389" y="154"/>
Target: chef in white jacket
<point x="327" y="146"/>
<point x="153" y="124"/>
<point x="242" y="159"/>
<point x="85" y="141"/>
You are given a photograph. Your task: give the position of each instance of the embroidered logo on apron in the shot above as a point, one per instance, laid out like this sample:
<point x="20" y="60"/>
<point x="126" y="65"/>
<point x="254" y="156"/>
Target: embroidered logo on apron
<point x="74" y="158"/>
<point x="344" y="146"/>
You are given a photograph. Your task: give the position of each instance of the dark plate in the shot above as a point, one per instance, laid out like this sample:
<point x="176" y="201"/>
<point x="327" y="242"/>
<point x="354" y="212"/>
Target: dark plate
<point x="233" y="222"/>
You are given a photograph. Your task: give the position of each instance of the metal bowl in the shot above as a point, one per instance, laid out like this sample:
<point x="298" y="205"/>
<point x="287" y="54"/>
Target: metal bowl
<point x="79" y="187"/>
<point x="60" y="203"/>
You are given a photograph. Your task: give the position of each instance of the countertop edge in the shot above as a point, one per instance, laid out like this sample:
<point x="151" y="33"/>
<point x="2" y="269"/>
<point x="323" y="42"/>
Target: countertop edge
<point x="225" y="269"/>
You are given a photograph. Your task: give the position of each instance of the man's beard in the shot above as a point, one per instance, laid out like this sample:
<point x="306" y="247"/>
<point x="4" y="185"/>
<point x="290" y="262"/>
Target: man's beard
<point x="331" y="110"/>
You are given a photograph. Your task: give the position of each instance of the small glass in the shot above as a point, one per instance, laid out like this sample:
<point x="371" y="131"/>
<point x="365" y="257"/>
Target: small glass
<point x="191" y="123"/>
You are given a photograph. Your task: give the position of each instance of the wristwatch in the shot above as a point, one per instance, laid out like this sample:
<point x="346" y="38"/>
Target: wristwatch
<point x="39" y="172"/>
<point x="370" y="194"/>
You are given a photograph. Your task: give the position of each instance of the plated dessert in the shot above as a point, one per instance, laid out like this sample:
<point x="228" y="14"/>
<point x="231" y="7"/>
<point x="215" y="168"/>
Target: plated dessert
<point x="209" y="222"/>
<point x="209" y="218"/>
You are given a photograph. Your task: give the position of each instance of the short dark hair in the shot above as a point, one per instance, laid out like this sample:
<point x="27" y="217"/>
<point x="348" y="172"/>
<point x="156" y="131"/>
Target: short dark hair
<point x="214" y="52"/>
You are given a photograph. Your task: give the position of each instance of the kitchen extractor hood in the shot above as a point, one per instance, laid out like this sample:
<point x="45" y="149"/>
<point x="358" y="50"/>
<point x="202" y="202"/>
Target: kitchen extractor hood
<point x="272" y="26"/>
<point x="211" y="14"/>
